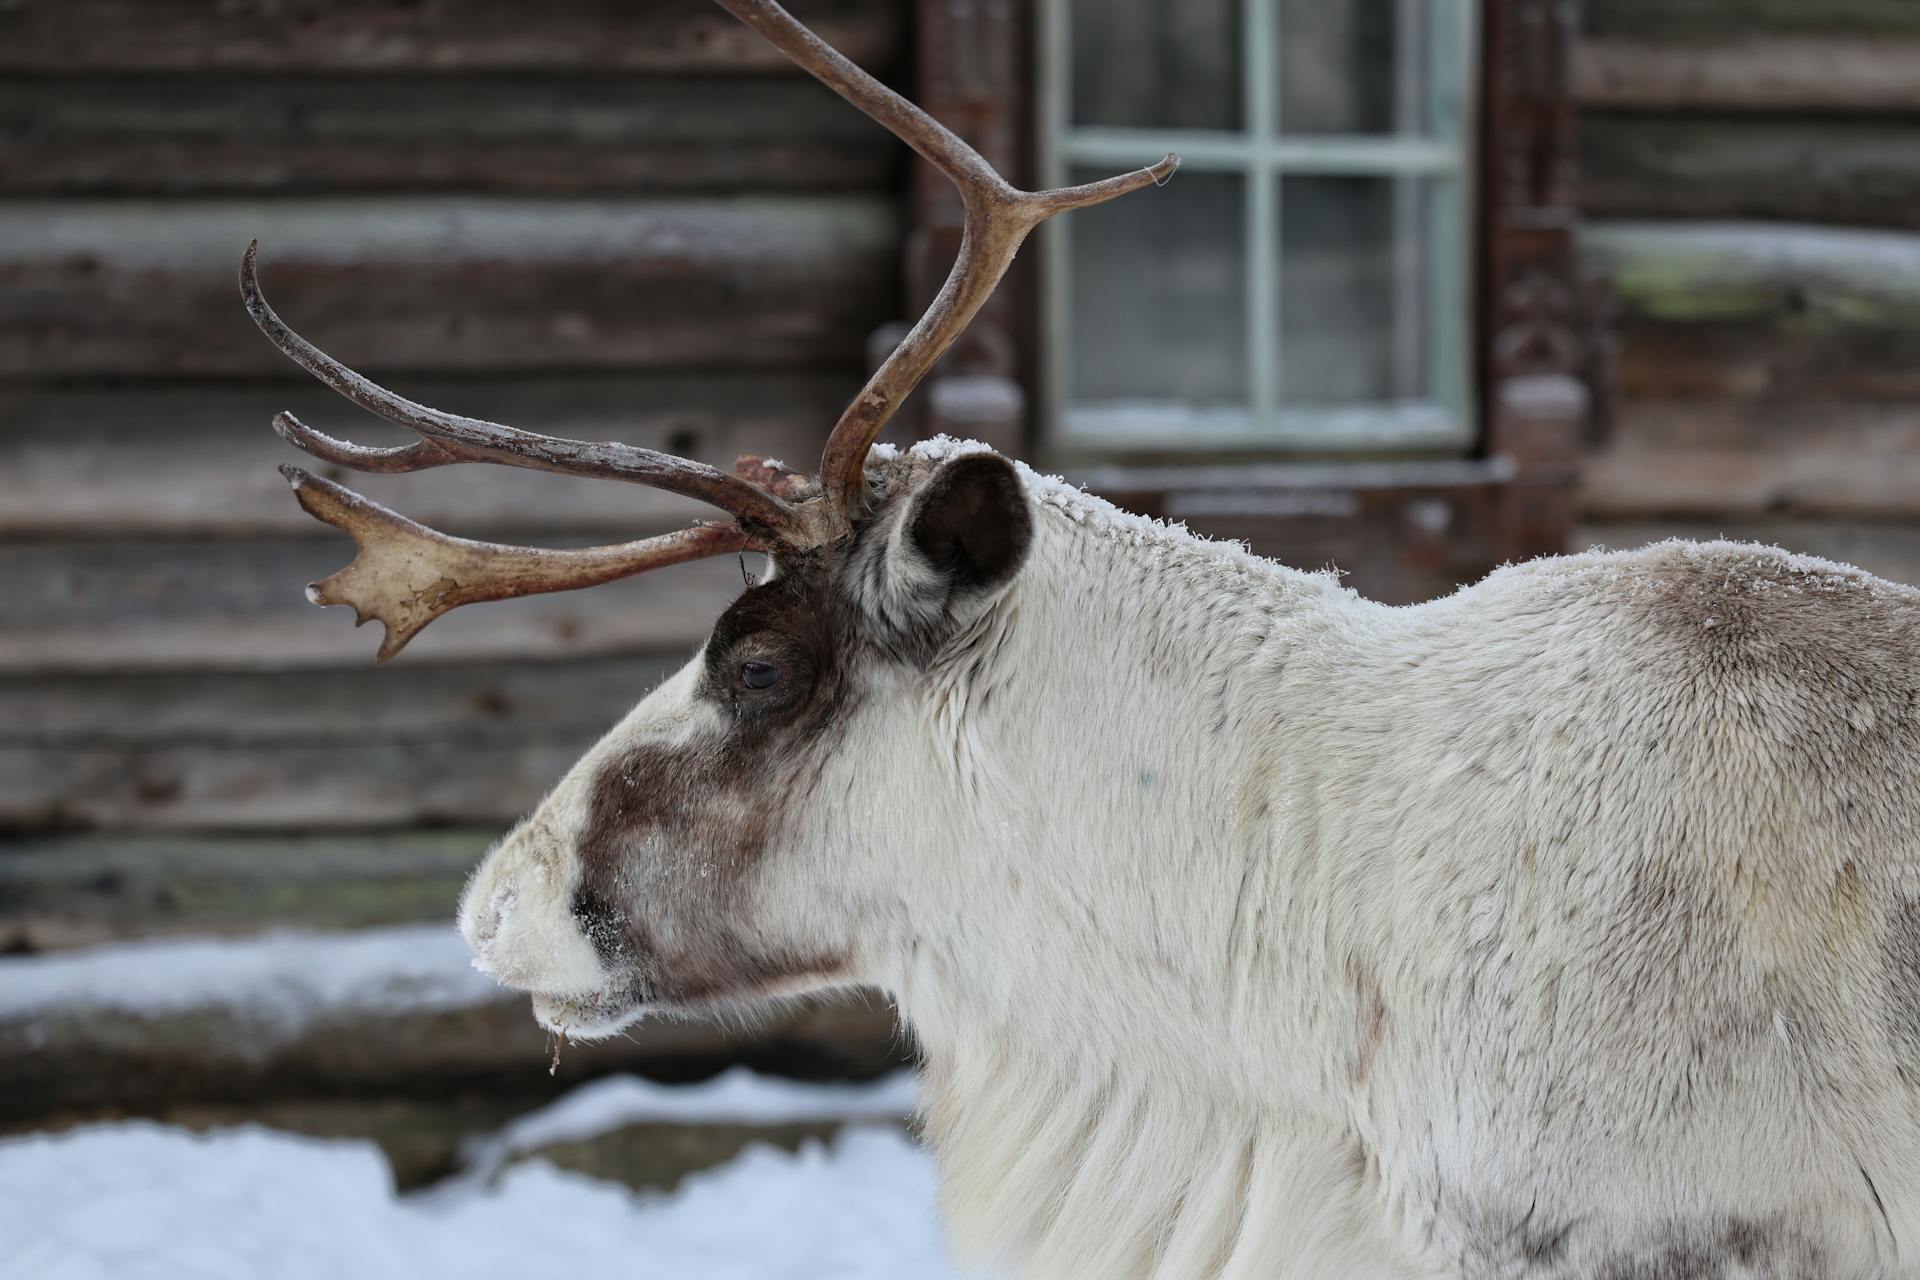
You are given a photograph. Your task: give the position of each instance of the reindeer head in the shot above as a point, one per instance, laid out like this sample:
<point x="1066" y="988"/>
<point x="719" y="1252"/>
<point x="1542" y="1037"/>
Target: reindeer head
<point x="670" y="866"/>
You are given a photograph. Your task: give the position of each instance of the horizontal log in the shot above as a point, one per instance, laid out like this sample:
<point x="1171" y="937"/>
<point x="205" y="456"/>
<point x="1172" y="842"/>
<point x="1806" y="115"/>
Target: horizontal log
<point x="423" y="1139"/>
<point x="520" y="135"/>
<point x="1738" y="73"/>
<point x="477" y="702"/>
<point x="1857" y="173"/>
<point x="1716" y="458"/>
<point x="1751" y="310"/>
<point x="433" y="35"/>
<point x="1712" y="21"/>
<point x="656" y="1157"/>
<point x="649" y="1136"/>
<point x="158" y="604"/>
<point x="199" y="461"/>
<point x="58" y="892"/>
<point x="396" y="1013"/>
<point x="472" y="744"/>
<point x="1890" y="550"/>
<point x="131" y="288"/>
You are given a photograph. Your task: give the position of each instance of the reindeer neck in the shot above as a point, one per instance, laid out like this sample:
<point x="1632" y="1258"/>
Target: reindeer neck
<point x="1110" y="738"/>
<point x="1105" y="942"/>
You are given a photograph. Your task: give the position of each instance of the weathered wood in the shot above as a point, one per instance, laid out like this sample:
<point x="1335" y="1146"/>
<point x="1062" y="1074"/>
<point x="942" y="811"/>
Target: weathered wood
<point x="200" y="461"/>
<point x="347" y="749"/>
<point x="66" y="891"/>
<point x="156" y="605"/>
<point x="1715" y="458"/>
<point x="130" y="288"/>
<point x="423" y="1139"/>
<point x="656" y="1157"/>
<point x="427" y="1140"/>
<point x="1755" y="310"/>
<point x="540" y="135"/>
<point x="1890" y="550"/>
<point x="1737" y="73"/>
<point x="1711" y="21"/>
<point x="430" y="36"/>
<point x="93" y="1059"/>
<point x="1849" y="172"/>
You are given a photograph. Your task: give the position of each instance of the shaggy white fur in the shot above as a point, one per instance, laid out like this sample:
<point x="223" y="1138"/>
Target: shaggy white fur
<point x="1565" y="927"/>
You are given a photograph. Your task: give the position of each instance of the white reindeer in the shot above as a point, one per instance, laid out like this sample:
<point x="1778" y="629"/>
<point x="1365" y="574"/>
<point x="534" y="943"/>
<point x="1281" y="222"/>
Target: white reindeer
<point x="1567" y="928"/>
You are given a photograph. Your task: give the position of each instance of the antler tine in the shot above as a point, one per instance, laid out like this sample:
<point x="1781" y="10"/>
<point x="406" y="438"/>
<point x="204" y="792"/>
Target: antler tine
<point x="406" y="575"/>
<point x="448" y="438"/>
<point x="998" y="218"/>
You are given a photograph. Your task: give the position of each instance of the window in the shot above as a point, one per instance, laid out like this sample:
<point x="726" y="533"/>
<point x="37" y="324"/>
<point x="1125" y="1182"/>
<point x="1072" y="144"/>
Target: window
<point x="1302" y="283"/>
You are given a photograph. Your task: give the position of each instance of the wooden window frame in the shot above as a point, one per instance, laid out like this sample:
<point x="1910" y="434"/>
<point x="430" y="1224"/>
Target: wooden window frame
<point x="1262" y="154"/>
<point x="1423" y="524"/>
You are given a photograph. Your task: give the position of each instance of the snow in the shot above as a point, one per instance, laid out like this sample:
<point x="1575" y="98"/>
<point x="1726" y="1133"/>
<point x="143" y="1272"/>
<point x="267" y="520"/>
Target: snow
<point x="282" y="981"/>
<point x="134" y="1200"/>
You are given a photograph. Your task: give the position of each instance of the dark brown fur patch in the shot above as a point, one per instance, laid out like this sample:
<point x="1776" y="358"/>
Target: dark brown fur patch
<point x="674" y="833"/>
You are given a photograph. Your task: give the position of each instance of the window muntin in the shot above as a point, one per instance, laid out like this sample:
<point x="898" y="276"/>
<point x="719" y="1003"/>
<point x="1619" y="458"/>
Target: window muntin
<point x="1309" y="289"/>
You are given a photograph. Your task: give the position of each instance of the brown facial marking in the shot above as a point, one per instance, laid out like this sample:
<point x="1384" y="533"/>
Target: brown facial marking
<point x="675" y="832"/>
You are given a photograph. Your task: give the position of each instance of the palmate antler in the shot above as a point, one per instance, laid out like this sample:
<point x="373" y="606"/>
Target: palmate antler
<point x="406" y="574"/>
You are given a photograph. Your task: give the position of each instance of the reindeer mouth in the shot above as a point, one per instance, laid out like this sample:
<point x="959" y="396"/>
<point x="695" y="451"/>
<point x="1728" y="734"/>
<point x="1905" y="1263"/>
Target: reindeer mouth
<point x="594" y="1016"/>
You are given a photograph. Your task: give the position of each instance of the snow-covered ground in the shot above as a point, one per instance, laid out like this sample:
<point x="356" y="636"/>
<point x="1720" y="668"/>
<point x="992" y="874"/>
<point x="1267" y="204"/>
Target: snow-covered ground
<point x="132" y="1201"/>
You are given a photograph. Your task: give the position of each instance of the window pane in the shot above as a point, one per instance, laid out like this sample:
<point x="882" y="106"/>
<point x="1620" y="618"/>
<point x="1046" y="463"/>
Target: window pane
<point x="1353" y="66"/>
<point x="1156" y="64"/>
<point x="1354" y="287"/>
<point x="1157" y="307"/>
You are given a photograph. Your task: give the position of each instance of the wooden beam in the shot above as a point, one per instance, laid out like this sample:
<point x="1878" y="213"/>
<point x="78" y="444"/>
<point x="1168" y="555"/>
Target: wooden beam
<point x="473" y="744"/>
<point x="1738" y="73"/>
<point x="59" y="892"/>
<point x="396" y="1013"/>
<point x="1714" y="459"/>
<point x="1850" y="172"/>
<point x="542" y="135"/>
<point x="1758" y="311"/>
<point x="159" y="605"/>
<point x="133" y="288"/>
<point x="429" y="37"/>
<point x="199" y="461"/>
<point x="1711" y="21"/>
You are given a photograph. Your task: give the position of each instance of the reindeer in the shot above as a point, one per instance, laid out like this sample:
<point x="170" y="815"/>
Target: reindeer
<point x="1567" y="927"/>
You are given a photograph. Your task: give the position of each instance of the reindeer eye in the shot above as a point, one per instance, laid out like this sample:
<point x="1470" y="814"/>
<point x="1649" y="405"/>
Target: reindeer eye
<point x="759" y="675"/>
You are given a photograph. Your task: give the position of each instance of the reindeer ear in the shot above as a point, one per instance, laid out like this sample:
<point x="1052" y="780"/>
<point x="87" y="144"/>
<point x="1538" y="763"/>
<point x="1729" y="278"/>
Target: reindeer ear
<point x="942" y="556"/>
<point x="972" y="523"/>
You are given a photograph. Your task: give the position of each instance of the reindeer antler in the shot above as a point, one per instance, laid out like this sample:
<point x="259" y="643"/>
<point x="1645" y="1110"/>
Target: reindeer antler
<point x="406" y="574"/>
<point x="998" y="218"/>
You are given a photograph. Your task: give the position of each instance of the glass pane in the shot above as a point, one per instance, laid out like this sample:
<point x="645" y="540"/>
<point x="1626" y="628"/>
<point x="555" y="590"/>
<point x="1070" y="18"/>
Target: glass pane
<point x="1158" y="294"/>
<point x="1157" y="64"/>
<point x="1354" y="284"/>
<point x="1353" y="66"/>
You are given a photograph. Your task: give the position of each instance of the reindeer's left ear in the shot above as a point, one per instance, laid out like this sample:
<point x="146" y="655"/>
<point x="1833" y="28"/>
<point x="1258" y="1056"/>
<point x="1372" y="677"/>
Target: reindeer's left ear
<point x="960" y="538"/>
<point x="972" y="523"/>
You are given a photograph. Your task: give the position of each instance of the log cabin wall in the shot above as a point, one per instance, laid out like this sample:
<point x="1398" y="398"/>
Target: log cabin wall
<point x="604" y="220"/>
<point x="1750" y="172"/>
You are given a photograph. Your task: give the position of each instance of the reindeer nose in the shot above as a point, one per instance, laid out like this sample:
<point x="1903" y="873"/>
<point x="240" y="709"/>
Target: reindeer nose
<point x="482" y="918"/>
<point x="517" y="917"/>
